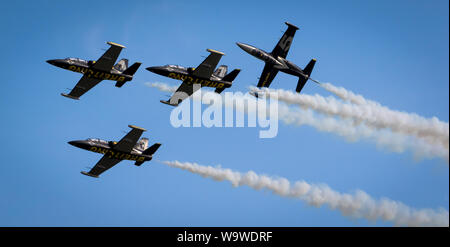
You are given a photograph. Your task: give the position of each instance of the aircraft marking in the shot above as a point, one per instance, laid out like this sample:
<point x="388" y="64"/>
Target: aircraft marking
<point x="98" y="75"/>
<point x="117" y="154"/>
<point x="193" y="80"/>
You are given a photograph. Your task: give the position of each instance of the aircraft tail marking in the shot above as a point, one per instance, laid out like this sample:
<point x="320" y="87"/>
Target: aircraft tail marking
<point x="122" y="65"/>
<point x="221" y="71"/>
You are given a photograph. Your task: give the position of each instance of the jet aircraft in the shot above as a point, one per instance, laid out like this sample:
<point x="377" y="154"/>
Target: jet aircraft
<point x="128" y="148"/>
<point x="276" y="60"/>
<point x="194" y="78"/>
<point x="96" y="71"/>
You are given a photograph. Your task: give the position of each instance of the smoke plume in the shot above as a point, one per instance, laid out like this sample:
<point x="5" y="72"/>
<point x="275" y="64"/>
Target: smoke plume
<point x="356" y="205"/>
<point x="370" y="113"/>
<point x="162" y="86"/>
<point x="346" y="128"/>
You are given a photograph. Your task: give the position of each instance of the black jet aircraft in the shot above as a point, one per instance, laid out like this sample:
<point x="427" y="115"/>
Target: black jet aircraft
<point x="194" y="78"/>
<point x="128" y="148"/>
<point x="96" y="71"/>
<point x="276" y="60"/>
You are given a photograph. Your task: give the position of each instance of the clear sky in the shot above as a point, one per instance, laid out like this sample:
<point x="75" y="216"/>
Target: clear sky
<point x="394" y="52"/>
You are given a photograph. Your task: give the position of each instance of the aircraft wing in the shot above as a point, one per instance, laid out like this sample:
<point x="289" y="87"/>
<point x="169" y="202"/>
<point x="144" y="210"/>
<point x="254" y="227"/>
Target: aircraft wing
<point x="108" y="59"/>
<point x="127" y="143"/>
<point x="83" y="85"/>
<point x="102" y="165"/>
<point x="184" y="91"/>
<point x="269" y="72"/>
<point x="206" y="68"/>
<point x="283" y="45"/>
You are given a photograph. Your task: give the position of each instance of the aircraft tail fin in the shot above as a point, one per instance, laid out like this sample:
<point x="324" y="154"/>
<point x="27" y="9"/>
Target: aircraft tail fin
<point x="229" y="78"/>
<point x="221" y="71"/>
<point x="122" y="65"/>
<point x="307" y="72"/>
<point x="151" y="150"/>
<point x="142" y="144"/>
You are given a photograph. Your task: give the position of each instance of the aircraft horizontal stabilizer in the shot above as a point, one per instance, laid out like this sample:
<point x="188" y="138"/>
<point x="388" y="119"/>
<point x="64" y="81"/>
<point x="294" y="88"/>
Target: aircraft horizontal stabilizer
<point x="129" y="71"/>
<point x="132" y="69"/>
<point x="229" y="78"/>
<point x="151" y="150"/>
<point x="307" y="72"/>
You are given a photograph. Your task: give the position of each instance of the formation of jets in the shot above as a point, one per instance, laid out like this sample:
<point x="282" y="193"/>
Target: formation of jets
<point x="130" y="147"/>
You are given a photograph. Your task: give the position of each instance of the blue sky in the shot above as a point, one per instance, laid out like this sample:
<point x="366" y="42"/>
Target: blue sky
<point x="394" y="52"/>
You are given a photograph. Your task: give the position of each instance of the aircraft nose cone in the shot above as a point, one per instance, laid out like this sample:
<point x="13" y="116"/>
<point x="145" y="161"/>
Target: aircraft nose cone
<point x="51" y="61"/>
<point x="245" y="47"/>
<point x="240" y="45"/>
<point x="157" y="69"/>
<point x="152" y="69"/>
<point x="56" y="62"/>
<point x="77" y="144"/>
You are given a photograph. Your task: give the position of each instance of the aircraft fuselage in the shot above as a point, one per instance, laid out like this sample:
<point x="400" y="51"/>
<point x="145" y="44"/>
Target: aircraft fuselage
<point x="107" y="148"/>
<point x="279" y="63"/>
<point x="85" y="68"/>
<point x="184" y="74"/>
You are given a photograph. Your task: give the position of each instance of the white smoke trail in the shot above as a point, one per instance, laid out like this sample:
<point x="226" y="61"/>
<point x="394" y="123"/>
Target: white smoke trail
<point x="372" y="114"/>
<point x="347" y="95"/>
<point x="385" y="139"/>
<point x="162" y="86"/>
<point x="357" y="205"/>
<point x="358" y="99"/>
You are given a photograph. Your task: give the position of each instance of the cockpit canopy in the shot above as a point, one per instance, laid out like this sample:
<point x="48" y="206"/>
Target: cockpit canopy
<point x="175" y="66"/>
<point x="77" y="60"/>
<point x="97" y="140"/>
